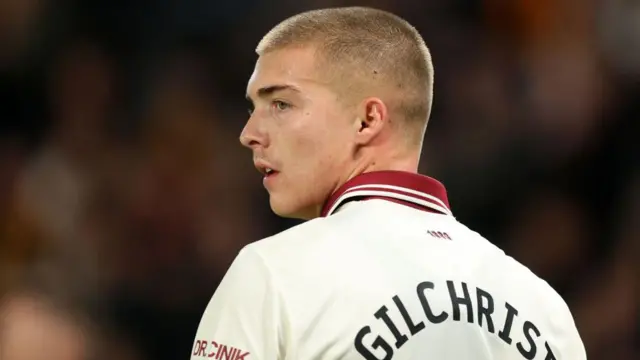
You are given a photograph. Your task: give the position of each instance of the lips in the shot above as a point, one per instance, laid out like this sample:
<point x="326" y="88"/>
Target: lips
<point x="270" y="175"/>
<point x="265" y="168"/>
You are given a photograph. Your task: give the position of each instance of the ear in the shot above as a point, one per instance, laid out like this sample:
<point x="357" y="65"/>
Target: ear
<point x="373" y="116"/>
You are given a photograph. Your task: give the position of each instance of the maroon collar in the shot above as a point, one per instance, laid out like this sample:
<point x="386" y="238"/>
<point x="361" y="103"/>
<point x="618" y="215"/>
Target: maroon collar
<point x="412" y="189"/>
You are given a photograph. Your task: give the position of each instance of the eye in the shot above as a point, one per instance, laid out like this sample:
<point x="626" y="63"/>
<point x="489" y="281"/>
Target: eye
<point x="280" y="105"/>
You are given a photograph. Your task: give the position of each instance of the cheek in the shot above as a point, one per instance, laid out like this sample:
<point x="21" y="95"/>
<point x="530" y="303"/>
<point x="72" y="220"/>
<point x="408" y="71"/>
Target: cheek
<point x="307" y="154"/>
<point x="319" y="160"/>
<point x="315" y="149"/>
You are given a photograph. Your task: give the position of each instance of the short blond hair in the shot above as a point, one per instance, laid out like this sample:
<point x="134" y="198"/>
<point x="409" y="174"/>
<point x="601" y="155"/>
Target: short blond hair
<point x="366" y="50"/>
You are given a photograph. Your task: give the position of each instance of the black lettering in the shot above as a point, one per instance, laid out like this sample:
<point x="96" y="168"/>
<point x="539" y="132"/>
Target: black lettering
<point x="508" y="323"/>
<point x="485" y="310"/>
<point x="531" y="353"/>
<point x="457" y="301"/>
<point x="378" y="343"/>
<point x="400" y="338"/>
<point x="413" y="328"/>
<point x="550" y="354"/>
<point x="435" y="319"/>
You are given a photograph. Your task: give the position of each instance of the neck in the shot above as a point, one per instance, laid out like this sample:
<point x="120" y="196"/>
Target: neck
<point x="406" y="165"/>
<point x="367" y="164"/>
<point x="383" y="160"/>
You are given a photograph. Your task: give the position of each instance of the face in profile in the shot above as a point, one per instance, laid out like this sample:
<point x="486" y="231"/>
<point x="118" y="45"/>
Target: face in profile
<point x="301" y="136"/>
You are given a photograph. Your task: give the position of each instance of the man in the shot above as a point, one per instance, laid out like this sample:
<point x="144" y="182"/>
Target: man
<point x="382" y="270"/>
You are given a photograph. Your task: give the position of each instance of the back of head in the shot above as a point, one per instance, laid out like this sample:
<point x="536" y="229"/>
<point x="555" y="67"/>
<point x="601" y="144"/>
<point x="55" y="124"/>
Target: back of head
<point x="364" y="52"/>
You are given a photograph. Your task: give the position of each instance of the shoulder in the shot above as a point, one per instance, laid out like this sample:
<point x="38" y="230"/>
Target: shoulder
<point x="302" y="236"/>
<point x="295" y="249"/>
<point x="540" y="293"/>
<point x="509" y="270"/>
<point x="554" y="303"/>
<point x="560" y="320"/>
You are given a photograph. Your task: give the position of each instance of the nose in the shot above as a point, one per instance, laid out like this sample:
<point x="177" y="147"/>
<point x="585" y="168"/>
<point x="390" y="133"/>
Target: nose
<point x="250" y="136"/>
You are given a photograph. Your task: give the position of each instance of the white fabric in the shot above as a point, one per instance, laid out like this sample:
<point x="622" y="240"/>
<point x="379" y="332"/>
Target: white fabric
<point x="307" y="293"/>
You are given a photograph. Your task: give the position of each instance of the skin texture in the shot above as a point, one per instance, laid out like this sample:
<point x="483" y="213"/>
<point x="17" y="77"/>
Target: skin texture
<point x="313" y="141"/>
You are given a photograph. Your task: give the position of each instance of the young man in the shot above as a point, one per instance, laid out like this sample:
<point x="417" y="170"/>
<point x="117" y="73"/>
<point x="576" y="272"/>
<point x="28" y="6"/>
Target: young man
<point x="382" y="270"/>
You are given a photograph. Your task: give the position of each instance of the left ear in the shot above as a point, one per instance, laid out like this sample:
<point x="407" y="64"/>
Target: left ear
<point x="373" y="115"/>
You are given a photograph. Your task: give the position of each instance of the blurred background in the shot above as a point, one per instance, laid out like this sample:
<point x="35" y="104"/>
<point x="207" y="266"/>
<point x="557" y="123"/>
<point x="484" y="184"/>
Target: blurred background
<point x="125" y="194"/>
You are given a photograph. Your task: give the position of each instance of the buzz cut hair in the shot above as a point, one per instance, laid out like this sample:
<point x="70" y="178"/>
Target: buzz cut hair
<point x="365" y="52"/>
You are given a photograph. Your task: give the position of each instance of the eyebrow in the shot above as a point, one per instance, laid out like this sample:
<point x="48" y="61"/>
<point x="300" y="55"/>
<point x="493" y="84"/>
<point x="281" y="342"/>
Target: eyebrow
<point x="270" y="90"/>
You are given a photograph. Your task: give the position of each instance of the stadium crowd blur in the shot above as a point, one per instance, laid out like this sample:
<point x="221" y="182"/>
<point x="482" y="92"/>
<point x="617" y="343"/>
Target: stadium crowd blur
<point x="125" y="193"/>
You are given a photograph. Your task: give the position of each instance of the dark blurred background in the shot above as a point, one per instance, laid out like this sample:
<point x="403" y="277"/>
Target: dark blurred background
<point x="125" y="194"/>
